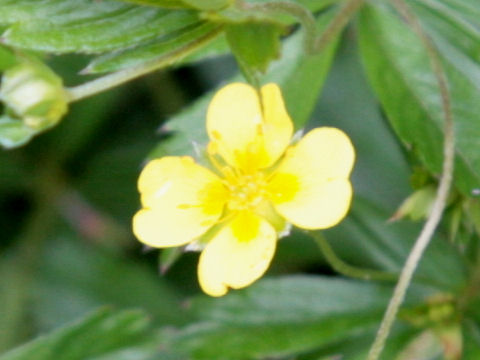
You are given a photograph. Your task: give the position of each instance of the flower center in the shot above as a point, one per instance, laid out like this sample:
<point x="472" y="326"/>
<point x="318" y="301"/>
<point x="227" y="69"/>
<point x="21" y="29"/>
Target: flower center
<point x="246" y="191"/>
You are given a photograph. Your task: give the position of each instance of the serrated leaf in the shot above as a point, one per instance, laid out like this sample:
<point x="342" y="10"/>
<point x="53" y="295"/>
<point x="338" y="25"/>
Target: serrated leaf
<point x="291" y="72"/>
<point x="254" y="44"/>
<point x="100" y="333"/>
<point x="451" y="25"/>
<point x="400" y="73"/>
<point x="171" y="49"/>
<point x="58" y="11"/>
<point x="121" y="29"/>
<point x="14" y="133"/>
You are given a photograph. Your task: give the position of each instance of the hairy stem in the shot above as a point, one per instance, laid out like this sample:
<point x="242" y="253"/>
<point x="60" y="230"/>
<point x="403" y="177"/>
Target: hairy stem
<point x="112" y="80"/>
<point x="442" y="191"/>
<point x="337" y="25"/>
<point x="313" y="44"/>
<point x="346" y="269"/>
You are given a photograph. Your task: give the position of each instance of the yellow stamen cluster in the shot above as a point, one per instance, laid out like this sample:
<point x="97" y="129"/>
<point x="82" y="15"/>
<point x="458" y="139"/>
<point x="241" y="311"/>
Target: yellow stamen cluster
<point x="246" y="191"/>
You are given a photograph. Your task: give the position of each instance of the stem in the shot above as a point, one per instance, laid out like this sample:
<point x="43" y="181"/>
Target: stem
<point x="337" y="24"/>
<point x="313" y="44"/>
<point x="112" y="80"/>
<point x="442" y="192"/>
<point x="345" y="269"/>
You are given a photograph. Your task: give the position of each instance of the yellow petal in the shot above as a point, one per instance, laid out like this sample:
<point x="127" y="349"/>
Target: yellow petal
<point x="181" y="201"/>
<point x="310" y="188"/>
<point x="243" y="135"/>
<point x="238" y="255"/>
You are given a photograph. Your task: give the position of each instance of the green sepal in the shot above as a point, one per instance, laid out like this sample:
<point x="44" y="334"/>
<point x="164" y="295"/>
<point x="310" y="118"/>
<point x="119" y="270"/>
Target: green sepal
<point x="418" y="205"/>
<point x="14" y="133"/>
<point x="168" y="257"/>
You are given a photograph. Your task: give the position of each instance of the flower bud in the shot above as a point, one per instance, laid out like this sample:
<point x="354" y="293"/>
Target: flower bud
<point x="34" y="94"/>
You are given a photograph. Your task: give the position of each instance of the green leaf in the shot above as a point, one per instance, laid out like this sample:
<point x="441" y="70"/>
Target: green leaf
<point x="467" y="8"/>
<point x="121" y="28"/>
<point x="471" y="332"/>
<point x="7" y="58"/>
<point x="71" y="269"/>
<point x="57" y="11"/>
<point x="208" y="4"/>
<point x="14" y="133"/>
<point x="291" y="72"/>
<point x="171" y="49"/>
<point x="284" y="317"/>
<point x="175" y="4"/>
<point x="254" y="44"/>
<point x="96" y="335"/>
<point x="399" y="71"/>
<point x="451" y="25"/>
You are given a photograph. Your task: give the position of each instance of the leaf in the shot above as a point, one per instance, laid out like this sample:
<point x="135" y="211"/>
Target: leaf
<point x="14" y="133"/>
<point x="171" y="49"/>
<point x="7" y="58"/>
<point x="98" y="334"/>
<point x="467" y="8"/>
<point x="471" y="331"/>
<point x="451" y="25"/>
<point x="254" y="44"/>
<point x="399" y="71"/>
<point x="57" y="11"/>
<point x="208" y="4"/>
<point x="176" y="4"/>
<point x="118" y="29"/>
<point x="85" y="278"/>
<point x="283" y="317"/>
<point x="291" y="72"/>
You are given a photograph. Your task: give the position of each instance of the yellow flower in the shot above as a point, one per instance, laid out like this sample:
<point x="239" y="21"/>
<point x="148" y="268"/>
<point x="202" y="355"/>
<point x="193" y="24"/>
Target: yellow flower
<point x="258" y="185"/>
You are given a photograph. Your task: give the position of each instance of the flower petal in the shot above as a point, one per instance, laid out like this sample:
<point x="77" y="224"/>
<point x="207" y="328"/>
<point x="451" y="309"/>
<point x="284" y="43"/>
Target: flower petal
<point x="310" y="188"/>
<point x="181" y="201"/>
<point x="244" y="136"/>
<point x="238" y="255"/>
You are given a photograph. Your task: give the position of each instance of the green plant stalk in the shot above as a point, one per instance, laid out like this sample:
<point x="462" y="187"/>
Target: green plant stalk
<point x="112" y="80"/>
<point x="313" y="44"/>
<point x="346" y="269"/>
<point x="337" y="24"/>
<point x="442" y="192"/>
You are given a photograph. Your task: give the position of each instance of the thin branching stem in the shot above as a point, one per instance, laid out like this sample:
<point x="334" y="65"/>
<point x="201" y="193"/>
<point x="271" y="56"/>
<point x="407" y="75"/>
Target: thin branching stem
<point x="442" y="192"/>
<point x="313" y="43"/>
